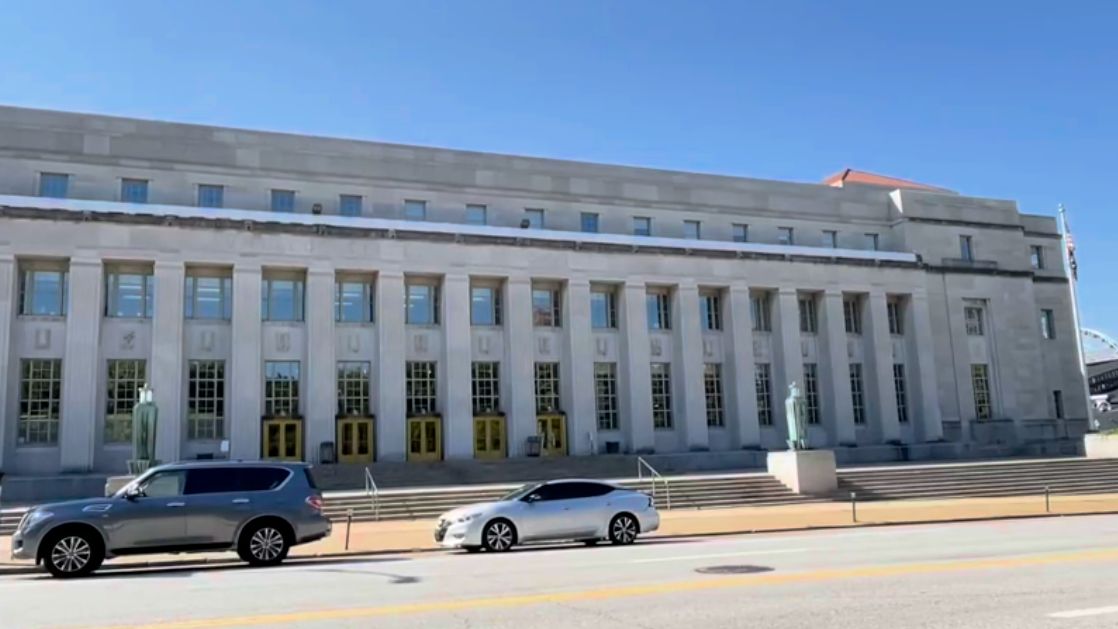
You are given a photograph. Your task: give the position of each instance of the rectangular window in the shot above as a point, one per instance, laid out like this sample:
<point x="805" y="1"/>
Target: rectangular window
<point x="589" y="222"/>
<point x="547" y="387"/>
<point x="211" y="196"/>
<point x="830" y="238"/>
<point x="486" y="378"/>
<point x="980" y="382"/>
<point x="661" y="396"/>
<point x="873" y="242"/>
<point x="283" y="200"/>
<point x="421" y="392"/>
<point x="692" y="230"/>
<point x="1036" y="256"/>
<point x="485" y="305"/>
<point x="710" y="310"/>
<point x="353" y="389"/>
<point x="1058" y="404"/>
<point x="642" y="226"/>
<point x="281" y="388"/>
<point x="785" y="236"/>
<point x="741" y="232"/>
<point x="134" y="190"/>
<point x="659" y="306"/>
<point x="895" y="314"/>
<point x="852" y="314"/>
<point x="54" y="185"/>
<point x="534" y="218"/>
<point x="40" y="402"/>
<point x="353" y="300"/>
<point x="423" y="304"/>
<point x="124" y="380"/>
<point x="974" y="320"/>
<point x="545" y="308"/>
<point x="205" y="400"/>
<point x="901" y="390"/>
<point x="42" y="292"/>
<point x="603" y="308"/>
<point x="762" y="381"/>
<point x="349" y="205"/>
<point x="760" y="312"/>
<point x="966" y="248"/>
<point x="281" y="299"/>
<point x="1047" y="325"/>
<point x="811" y="392"/>
<point x="857" y="393"/>
<point x="605" y="395"/>
<point x="415" y="210"/>
<point x="809" y="321"/>
<point x="712" y="385"/>
<point x="208" y="296"/>
<point x="477" y="215"/>
<point x="129" y="294"/>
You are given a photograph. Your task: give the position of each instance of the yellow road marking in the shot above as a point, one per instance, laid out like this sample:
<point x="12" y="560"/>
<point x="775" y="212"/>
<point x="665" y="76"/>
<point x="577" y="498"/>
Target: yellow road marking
<point x="602" y="594"/>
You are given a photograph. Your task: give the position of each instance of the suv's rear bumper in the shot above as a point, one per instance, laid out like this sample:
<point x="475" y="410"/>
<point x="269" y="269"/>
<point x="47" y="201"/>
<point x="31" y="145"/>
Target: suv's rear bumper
<point x="314" y="530"/>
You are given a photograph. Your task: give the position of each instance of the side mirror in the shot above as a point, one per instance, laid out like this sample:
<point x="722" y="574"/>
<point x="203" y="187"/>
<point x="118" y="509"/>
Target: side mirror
<point x="133" y="493"/>
<point x="532" y="498"/>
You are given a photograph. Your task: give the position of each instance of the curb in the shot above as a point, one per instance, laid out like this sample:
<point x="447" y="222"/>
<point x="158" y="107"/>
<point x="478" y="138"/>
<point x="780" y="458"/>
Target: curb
<point x="20" y="569"/>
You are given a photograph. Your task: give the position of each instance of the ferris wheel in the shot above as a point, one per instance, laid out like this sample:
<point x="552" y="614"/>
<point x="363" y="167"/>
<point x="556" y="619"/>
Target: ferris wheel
<point x="1098" y="347"/>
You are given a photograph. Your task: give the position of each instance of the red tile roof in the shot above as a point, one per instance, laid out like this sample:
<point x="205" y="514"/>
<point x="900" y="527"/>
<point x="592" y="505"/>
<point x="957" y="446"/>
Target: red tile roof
<point x="838" y="180"/>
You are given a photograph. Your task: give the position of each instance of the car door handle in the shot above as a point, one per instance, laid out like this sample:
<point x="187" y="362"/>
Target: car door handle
<point x="240" y="501"/>
<point x="176" y="504"/>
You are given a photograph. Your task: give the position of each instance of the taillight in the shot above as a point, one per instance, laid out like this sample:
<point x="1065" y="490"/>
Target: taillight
<point x="315" y="502"/>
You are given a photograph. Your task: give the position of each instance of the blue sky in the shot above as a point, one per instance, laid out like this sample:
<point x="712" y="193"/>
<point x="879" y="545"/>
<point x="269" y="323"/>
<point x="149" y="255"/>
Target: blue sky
<point x="991" y="101"/>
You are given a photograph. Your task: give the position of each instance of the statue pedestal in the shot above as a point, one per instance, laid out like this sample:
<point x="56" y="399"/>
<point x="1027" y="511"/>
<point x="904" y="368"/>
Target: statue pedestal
<point x="807" y="472"/>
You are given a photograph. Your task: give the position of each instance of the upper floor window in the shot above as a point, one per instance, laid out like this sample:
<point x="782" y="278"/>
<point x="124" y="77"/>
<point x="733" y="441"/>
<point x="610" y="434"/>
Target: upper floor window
<point x="130" y="293"/>
<point x="894" y="310"/>
<point x="785" y="236"/>
<point x="353" y="300"/>
<point x="974" y="315"/>
<point x="692" y="230"/>
<point x="545" y="307"/>
<point x="852" y="314"/>
<point x="210" y="195"/>
<point x="966" y="248"/>
<point x="283" y="200"/>
<point x="534" y="218"/>
<point x="423" y="303"/>
<point x="830" y="238"/>
<point x="42" y="290"/>
<point x="659" y="305"/>
<point x="134" y="190"/>
<point x="642" y="226"/>
<point x="1047" y="325"/>
<point x="485" y="305"/>
<point x="809" y="321"/>
<point x="759" y="309"/>
<point x="1036" y="256"/>
<point x="741" y="232"/>
<point x="710" y="310"/>
<point x="54" y="185"/>
<point x="477" y="215"/>
<point x="603" y="308"/>
<point x="281" y="298"/>
<point x="873" y="242"/>
<point x="208" y="295"/>
<point x="588" y="222"/>
<point x="415" y="210"/>
<point x="349" y="204"/>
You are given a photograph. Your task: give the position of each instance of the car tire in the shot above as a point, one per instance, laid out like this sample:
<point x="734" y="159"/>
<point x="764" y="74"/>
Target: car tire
<point x="498" y="536"/>
<point x="72" y="554"/>
<point x="623" y="529"/>
<point x="264" y="543"/>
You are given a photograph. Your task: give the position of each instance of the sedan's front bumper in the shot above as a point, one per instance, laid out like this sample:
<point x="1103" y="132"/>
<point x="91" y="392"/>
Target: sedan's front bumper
<point x="457" y="534"/>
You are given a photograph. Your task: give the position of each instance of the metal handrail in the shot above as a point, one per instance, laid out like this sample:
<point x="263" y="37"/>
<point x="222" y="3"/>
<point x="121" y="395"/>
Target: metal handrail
<point x="373" y="493"/>
<point x="653" y="477"/>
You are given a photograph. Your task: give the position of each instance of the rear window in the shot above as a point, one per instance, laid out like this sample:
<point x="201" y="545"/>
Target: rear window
<point x="261" y="478"/>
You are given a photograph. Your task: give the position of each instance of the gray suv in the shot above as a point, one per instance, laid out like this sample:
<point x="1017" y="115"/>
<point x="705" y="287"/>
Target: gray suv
<point x="260" y="510"/>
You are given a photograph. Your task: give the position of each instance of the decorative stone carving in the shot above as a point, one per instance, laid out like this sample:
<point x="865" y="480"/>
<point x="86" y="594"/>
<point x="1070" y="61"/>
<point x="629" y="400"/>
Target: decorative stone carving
<point x="206" y="340"/>
<point x="757" y="347"/>
<point x="483" y="344"/>
<point x="283" y="341"/>
<point x="544" y="345"/>
<point x="128" y="341"/>
<point x="353" y="342"/>
<point x="420" y="343"/>
<point x="657" y="347"/>
<point x="602" y="346"/>
<point x="42" y="338"/>
<point x="708" y="348"/>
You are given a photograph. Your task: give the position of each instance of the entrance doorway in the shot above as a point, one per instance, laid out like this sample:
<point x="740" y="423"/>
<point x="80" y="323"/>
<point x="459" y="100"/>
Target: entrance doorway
<point x="489" y="437"/>
<point x="552" y="430"/>
<point x="282" y="439"/>
<point x="355" y="440"/>
<point x="425" y="439"/>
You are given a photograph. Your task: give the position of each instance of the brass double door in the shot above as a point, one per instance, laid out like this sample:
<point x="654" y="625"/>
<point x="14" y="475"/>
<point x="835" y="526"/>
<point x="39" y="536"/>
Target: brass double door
<point x="282" y="439"/>
<point x="355" y="440"/>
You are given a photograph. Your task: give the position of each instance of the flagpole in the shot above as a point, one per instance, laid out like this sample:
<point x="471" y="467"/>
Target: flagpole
<point x="1073" y="281"/>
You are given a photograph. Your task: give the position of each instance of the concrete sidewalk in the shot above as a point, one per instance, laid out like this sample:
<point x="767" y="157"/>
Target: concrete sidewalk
<point x="366" y="538"/>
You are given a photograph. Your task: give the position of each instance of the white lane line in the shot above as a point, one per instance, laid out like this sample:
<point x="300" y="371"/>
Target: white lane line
<point x="775" y="551"/>
<point x="1083" y="613"/>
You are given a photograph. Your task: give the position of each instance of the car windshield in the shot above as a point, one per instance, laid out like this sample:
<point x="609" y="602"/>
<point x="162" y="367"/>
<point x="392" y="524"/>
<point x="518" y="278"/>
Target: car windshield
<point x="520" y="492"/>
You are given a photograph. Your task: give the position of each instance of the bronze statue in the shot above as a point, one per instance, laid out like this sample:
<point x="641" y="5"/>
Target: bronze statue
<point x="794" y="414"/>
<point x="145" y="417"/>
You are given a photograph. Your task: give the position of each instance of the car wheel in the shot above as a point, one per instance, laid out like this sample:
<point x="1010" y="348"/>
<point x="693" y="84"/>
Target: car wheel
<point x="498" y="536"/>
<point x="623" y="529"/>
<point x="73" y="554"/>
<point x="264" y="544"/>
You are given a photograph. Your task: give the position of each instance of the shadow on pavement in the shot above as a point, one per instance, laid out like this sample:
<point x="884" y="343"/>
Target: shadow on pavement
<point x="125" y="572"/>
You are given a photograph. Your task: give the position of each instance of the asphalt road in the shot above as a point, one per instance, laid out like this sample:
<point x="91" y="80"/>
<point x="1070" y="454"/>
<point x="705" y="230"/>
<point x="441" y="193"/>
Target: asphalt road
<point x="1020" y="574"/>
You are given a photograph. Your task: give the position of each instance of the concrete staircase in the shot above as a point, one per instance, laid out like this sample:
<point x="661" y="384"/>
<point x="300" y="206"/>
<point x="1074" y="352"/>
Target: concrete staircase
<point x="1009" y="478"/>
<point x="9" y="519"/>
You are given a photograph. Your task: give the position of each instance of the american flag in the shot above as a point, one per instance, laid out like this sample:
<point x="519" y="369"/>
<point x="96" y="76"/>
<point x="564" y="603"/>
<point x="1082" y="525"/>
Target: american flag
<point x="1070" y="243"/>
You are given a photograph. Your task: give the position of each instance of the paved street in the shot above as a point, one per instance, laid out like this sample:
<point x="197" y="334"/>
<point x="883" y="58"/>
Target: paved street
<point x="1028" y="573"/>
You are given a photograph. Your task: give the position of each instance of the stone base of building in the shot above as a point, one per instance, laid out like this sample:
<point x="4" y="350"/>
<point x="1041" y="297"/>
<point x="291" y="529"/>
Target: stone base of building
<point x="1101" y="446"/>
<point x="806" y="472"/>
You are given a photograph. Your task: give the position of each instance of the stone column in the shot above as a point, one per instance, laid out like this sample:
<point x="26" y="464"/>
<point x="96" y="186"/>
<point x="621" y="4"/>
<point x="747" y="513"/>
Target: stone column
<point x="246" y="368"/>
<point x="458" y="422"/>
<point x="922" y="383"/>
<point x="740" y="377"/>
<point x="391" y="432"/>
<point x="836" y="404"/>
<point x="688" y="359"/>
<point x="881" y="368"/>
<point x="321" y="375"/>
<point x="166" y="373"/>
<point x="578" y="369"/>
<point x="8" y="364"/>
<point x="81" y="365"/>
<point x="519" y="366"/>
<point x="636" y="382"/>
<point x="791" y="366"/>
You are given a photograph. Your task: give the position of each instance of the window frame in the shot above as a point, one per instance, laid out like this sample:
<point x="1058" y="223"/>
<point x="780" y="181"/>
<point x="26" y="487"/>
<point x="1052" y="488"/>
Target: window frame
<point x="646" y="221"/>
<point x="605" y="396"/>
<point x="852" y="314"/>
<point x="40" y="415"/>
<point x="809" y="315"/>
<point x="28" y="281"/>
<point x="609" y="294"/>
<point x="531" y="213"/>
<point x="548" y="315"/>
<point x="661" y="381"/>
<point x="282" y="201"/>
<point x="415" y="210"/>
<point x="191" y="301"/>
<point x="352" y="205"/>
<point x="858" y="393"/>
<point x="367" y="299"/>
<point x="710" y="310"/>
<point x="974" y="319"/>
<point x="739" y="232"/>
<point x="900" y="389"/>
<point x="966" y="247"/>
<point x="282" y="391"/>
<point x="268" y="293"/>
<point x="546" y="380"/>
<point x="873" y="241"/>
<point x="693" y="229"/>
<point x="433" y="301"/>
<point x="1047" y="324"/>
<point x="485" y="387"/>
<point x="658" y="309"/>
<point x="714" y="396"/>
<point x="1036" y="257"/>
<point x="494" y="306"/>
<point x="130" y="185"/>
<point x="894" y="313"/>
<point x="114" y="299"/>
<point x="210" y="195"/>
<point x="472" y="212"/>
<point x="786" y="236"/>
<point x="421" y="388"/>
<point x="830" y="238"/>
<point x="594" y="221"/>
<point x="49" y="180"/>
<point x="980" y="387"/>
<point x="352" y="380"/>
<point x="762" y="386"/>
<point x="760" y="311"/>
<point x="123" y="379"/>
<point x="196" y="418"/>
<point x="811" y="394"/>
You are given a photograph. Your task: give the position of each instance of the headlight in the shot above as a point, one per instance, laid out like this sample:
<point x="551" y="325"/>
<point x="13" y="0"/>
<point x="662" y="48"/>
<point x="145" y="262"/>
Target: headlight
<point x="468" y="517"/>
<point x="34" y="517"/>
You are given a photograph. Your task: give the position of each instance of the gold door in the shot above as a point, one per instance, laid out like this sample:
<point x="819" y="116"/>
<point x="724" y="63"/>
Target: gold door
<point x="282" y="439"/>
<point x="489" y="437"/>
<point x="355" y="440"/>
<point x="552" y="430"/>
<point x="425" y="439"/>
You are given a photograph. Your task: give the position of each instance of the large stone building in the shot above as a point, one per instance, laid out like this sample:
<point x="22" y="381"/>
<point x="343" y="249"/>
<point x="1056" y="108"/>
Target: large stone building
<point x="408" y="303"/>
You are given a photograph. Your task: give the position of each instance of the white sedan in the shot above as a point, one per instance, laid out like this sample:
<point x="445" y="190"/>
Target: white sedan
<point x="562" y="510"/>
